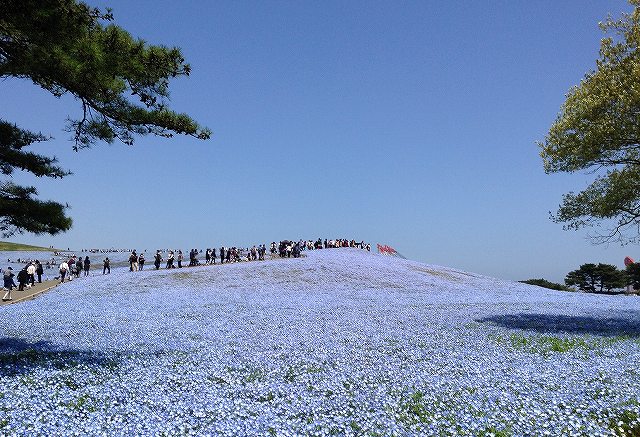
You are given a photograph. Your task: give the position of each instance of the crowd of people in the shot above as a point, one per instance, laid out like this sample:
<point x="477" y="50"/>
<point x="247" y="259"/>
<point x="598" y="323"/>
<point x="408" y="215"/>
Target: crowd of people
<point x="73" y="266"/>
<point x="284" y="249"/>
<point x="69" y="268"/>
<point x="26" y="278"/>
<point x="112" y="250"/>
<point x="288" y="248"/>
<point x="175" y="258"/>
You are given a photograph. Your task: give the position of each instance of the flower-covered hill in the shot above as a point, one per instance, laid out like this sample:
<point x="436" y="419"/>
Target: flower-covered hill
<point x="340" y="342"/>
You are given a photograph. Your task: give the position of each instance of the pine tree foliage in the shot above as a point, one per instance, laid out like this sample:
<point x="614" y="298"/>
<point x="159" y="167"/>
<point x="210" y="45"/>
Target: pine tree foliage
<point x="598" y="278"/>
<point x="19" y="210"/>
<point x="121" y="83"/>
<point x="633" y="275"/>
<point x="598" y="130"/>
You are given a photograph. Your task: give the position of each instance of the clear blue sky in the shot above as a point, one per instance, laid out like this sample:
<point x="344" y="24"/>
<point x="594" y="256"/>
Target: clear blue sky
<point x="407" y="123"/>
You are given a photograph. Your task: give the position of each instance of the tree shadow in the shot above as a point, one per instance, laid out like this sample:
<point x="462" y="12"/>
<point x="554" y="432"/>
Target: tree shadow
<point x="18" y="357"/>
<point x="554" y="323"/>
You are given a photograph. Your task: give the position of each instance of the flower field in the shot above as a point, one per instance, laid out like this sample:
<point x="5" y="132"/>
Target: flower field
<point x="341" y="342"/>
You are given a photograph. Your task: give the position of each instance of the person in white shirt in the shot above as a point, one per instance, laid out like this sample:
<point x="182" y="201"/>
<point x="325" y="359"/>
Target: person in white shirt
<point x="31" y="272"/>
<point x="64" y="269"/>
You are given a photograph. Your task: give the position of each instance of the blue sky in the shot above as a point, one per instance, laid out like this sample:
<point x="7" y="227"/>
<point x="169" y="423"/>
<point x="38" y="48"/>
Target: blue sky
<point x="407" y="123"/>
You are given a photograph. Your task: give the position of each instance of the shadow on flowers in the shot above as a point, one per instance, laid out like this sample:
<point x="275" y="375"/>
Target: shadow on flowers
<point x="554" y="323"/>
<point x="18" y="356"/>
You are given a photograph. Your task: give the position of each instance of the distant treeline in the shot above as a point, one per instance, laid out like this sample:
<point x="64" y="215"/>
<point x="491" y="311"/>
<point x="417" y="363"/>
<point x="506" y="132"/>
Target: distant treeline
<point x="547" y="284"/>
<point x="596" y="278"/>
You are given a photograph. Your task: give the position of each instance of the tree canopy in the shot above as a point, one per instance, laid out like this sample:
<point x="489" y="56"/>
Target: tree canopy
<point x="598" y="130"/>
<point x="633" y="274"/>
<point x="599" y="278"/>
<point x="122" y="84"/>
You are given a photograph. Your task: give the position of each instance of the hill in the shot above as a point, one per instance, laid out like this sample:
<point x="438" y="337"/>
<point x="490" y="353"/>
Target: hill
<point x="10" y="247"/>
<point x="340" y="342"/>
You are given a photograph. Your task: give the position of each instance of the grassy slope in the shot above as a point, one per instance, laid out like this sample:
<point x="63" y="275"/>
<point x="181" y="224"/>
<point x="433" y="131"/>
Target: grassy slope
<point x="5" y="245"/>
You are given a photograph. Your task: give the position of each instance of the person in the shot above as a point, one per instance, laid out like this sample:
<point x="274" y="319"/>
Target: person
<point x="31" y="274"/>
<point x="64" y="269"/>
<point x="157" y="260"/>
<point x="213" y="255"/>
<point x="207" y="256"/>
<point x="141" y="261"/>
<point x="180" y="259"/>
<point x="106" y="266"/>
<point x="170" y="258"/>
<point x="87" y="265"/>
<point x="22" y="278"/>
<point x="133" y="261"/>
<point x="222" y="255"/>
<point x="39" y="271"/>
<point x="8" y="283"/>
<point x="79" y="267"/>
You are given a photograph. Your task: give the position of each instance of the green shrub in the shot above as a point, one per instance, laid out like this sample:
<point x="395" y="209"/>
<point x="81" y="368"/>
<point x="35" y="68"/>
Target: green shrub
<point x="547" y="284"/>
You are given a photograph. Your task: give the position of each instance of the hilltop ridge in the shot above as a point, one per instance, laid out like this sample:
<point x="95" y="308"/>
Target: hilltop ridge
<point x="355" y="270"/>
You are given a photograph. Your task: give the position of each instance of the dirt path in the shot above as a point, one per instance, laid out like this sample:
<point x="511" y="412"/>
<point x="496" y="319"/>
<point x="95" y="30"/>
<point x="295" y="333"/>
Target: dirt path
<point x="29" y="293"/>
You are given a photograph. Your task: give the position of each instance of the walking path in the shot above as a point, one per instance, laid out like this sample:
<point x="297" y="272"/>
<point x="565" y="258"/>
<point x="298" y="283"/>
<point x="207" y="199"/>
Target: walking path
<point x="29" y="293"/>
<point x="46" y="285"/>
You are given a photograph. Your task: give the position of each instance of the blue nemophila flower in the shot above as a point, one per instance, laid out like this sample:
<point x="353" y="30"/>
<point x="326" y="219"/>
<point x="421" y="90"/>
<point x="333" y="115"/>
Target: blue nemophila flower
<point x="338" y="343"/>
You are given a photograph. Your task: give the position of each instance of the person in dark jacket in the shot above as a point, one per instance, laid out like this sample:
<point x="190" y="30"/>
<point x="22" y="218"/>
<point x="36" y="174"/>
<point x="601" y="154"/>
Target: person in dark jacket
<point x="222" y="255"/>
<point x="8" y="283"/>
<point x="22" y="279"/>
<point x="170" y="258"/>
<point x="157" y="260"/>
<point x="133" y="262"/>
<point x="106" y="266"/>
<point x="39" y="271"/>
<point x="87" y="265"/>
<point x="79" y="267"/>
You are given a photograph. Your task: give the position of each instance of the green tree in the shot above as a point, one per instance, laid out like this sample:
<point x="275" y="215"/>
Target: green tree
<point x="633" y="274"/>
<point x="597" y="278"/>
<point x="584" y="278"/>
<point x="122" y="84"/>
<point x="598" y="130"/>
